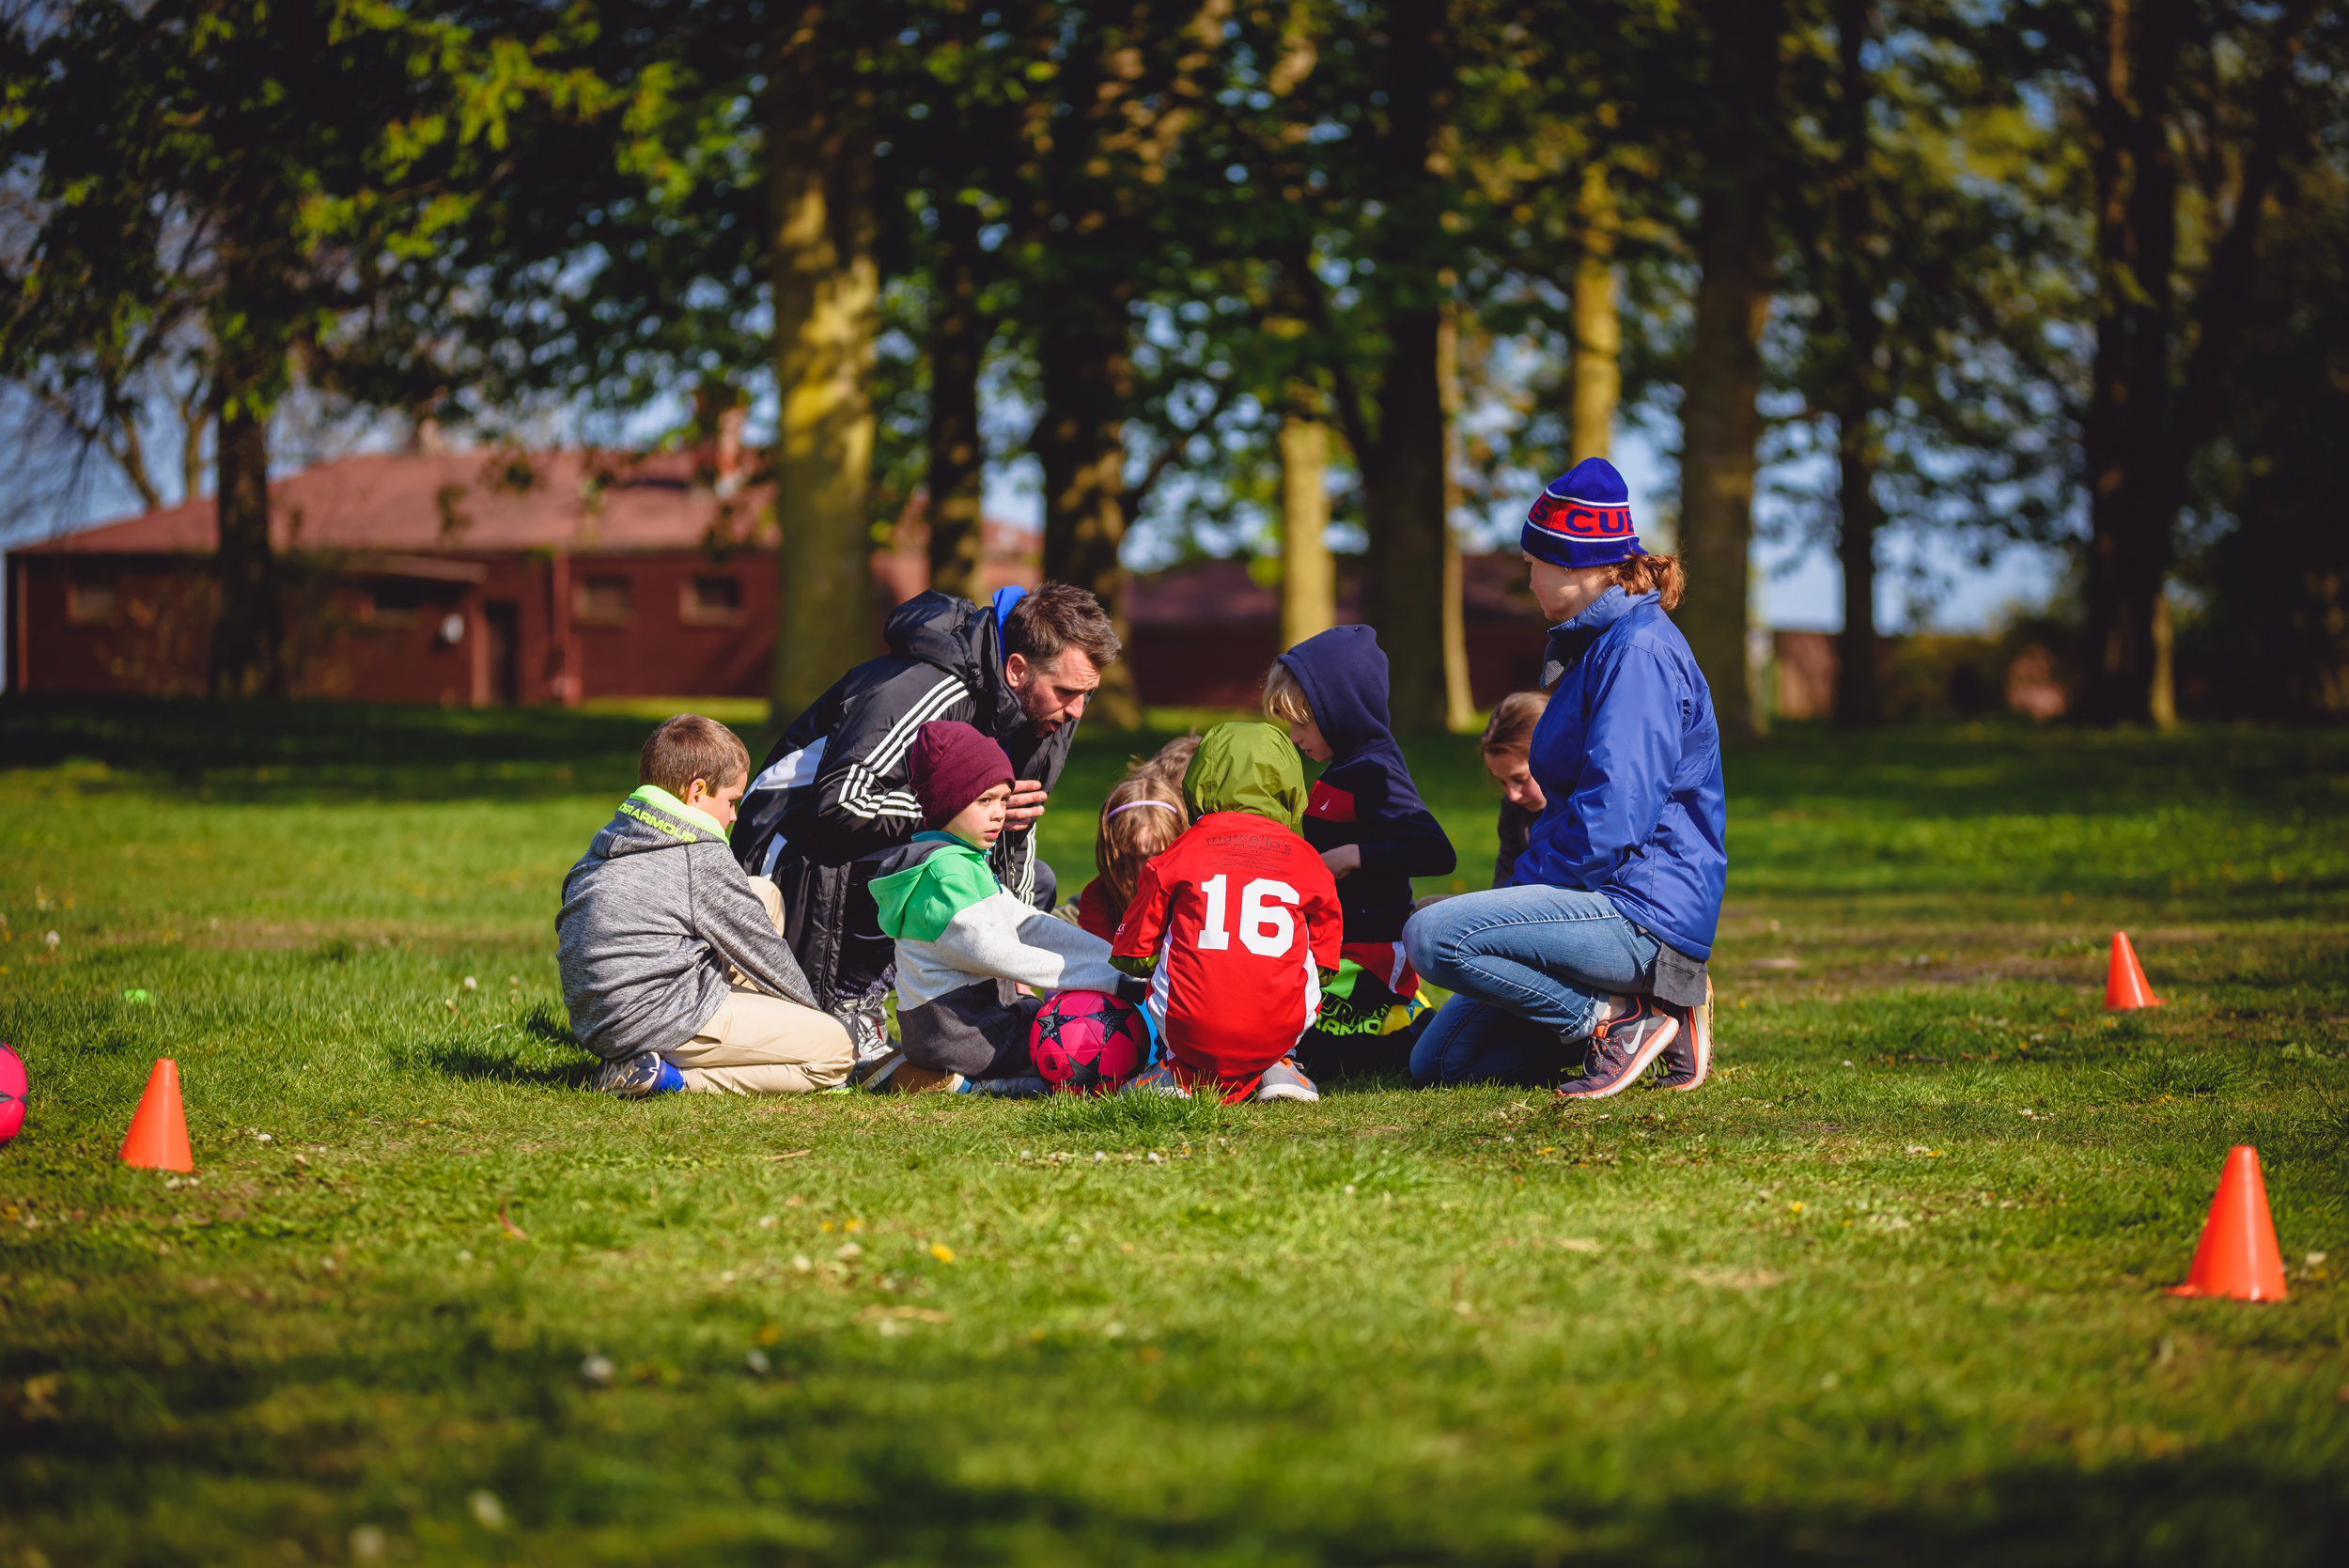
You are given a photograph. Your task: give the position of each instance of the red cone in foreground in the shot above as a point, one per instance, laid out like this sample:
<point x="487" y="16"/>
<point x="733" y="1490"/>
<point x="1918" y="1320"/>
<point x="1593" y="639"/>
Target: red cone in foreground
<point x="158" y="1140"/>
<point x="2124" y="979"/>
<point x="2237" y="1259"/>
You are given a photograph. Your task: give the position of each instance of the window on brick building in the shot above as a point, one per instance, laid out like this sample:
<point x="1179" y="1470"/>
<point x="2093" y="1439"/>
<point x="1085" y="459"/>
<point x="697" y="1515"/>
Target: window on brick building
<point x="604" y="597"/>
<point x="397" y="602"/>
<point x="708" y="599"/>
<point x="90" y="603"/>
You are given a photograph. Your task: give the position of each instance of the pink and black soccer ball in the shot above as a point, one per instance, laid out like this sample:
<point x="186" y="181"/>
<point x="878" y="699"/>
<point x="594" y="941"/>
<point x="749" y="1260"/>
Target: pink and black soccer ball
<point x="1088" y="1042"/>
<point x="12" y="1093"/>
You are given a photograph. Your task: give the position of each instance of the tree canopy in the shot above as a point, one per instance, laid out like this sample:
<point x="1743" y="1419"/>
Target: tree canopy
<point x="1255" y="274"/>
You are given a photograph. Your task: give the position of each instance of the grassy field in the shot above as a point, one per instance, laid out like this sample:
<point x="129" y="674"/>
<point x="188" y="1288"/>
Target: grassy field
<point x="1890" y="1288"/>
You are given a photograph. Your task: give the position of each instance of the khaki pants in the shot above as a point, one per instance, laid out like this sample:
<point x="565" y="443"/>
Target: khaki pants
<point x="757" y="1043"/>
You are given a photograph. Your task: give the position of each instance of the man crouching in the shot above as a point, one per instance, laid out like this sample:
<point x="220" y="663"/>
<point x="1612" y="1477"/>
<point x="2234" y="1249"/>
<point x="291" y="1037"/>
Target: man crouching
<point x="673" y="968"/>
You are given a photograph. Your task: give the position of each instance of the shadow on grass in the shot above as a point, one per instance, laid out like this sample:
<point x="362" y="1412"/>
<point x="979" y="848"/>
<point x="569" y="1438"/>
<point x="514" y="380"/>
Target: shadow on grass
<point x="327" y="751"/>
<point x="484" y="1065"/>
<point x="551" y="1057"/>
<point x="2189" y="1512"/>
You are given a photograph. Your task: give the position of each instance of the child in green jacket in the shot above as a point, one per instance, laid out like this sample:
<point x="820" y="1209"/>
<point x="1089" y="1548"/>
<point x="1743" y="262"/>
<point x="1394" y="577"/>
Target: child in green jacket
<point x="964" y="944"/>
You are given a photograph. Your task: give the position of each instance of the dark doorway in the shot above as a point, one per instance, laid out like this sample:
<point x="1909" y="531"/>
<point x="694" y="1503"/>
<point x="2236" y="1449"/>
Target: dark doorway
<point x="505" y="623"/>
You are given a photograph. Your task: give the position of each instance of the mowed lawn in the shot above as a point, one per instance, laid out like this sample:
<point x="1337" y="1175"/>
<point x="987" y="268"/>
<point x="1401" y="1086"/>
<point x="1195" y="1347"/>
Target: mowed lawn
<point x="1891" y="1288"/>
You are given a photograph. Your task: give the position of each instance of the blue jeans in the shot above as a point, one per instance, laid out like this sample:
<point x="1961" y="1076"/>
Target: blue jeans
<point x="1529" y="969"/>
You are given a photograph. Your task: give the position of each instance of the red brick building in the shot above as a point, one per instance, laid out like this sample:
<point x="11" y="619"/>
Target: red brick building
<point x="485" y="578"/>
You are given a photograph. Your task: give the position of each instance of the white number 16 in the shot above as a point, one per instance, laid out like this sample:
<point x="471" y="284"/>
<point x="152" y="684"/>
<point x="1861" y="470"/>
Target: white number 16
<point x="1267" y="925"/>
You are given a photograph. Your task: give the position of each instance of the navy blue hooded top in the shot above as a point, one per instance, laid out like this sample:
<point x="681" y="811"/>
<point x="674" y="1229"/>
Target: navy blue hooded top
<point x="1630" y="759"/>
<point x="1365" y="796"/>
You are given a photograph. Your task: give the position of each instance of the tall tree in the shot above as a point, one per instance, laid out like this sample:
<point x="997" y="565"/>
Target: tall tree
<point x="1859" y="395"/>
<point x="1719" y="414"/>
<point x="1403" y="458"/>
<point x="247" y="183"/>
<point x="1929" y="278"/>
<point x="826" y="291"/>
<point x="2185" y="104"/>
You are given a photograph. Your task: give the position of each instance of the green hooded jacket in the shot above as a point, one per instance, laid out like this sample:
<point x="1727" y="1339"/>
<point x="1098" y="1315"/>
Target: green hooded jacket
<point x="1247" y="765"/>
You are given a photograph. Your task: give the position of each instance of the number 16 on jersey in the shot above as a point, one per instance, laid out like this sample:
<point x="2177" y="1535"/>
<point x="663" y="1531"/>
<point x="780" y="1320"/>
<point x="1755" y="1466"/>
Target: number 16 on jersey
<point x="1268" y="915"/>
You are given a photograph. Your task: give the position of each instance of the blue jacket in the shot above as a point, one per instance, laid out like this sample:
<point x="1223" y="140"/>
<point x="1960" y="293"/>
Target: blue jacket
<point x="1629" y="758"/>
<point x="1365" y="796"/>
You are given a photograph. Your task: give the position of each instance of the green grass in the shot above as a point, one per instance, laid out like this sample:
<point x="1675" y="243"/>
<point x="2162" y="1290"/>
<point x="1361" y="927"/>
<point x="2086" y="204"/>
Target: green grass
<point x="1890" y="1288"/>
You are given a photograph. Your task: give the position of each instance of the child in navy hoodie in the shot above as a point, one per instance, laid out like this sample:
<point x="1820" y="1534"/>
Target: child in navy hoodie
<point x="1365" y="819"/>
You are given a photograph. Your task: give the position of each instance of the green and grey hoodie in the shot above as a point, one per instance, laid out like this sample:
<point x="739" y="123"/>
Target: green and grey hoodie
<point x="652" y="915"/>
<point x="963" y="943"/>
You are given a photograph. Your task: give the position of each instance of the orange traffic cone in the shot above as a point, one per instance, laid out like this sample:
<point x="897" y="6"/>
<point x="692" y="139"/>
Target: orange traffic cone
<point x="2124" y="979"/>
<point x="158" y="1140"/>
<point x="2237" y="1258"/>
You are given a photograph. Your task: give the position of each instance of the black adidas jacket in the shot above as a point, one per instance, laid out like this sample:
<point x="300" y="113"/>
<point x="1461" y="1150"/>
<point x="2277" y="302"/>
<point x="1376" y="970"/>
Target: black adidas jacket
<point x="836" y="789"/>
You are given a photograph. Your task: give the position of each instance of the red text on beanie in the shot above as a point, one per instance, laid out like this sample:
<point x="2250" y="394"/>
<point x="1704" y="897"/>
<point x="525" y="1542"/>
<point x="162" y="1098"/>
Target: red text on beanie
<point x="952" y="766"/>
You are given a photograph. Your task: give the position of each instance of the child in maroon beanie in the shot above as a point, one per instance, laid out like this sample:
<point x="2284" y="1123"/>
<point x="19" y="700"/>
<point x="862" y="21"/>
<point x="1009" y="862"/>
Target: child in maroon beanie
<point x="964" y="944"/>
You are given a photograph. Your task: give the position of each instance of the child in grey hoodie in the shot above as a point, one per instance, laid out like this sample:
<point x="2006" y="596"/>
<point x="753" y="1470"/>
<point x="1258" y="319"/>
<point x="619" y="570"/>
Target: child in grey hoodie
<point x="673" y="968"/>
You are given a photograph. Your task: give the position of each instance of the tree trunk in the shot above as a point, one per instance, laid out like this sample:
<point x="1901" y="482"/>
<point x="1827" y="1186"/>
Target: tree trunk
<point x="1597" y="323"/>
<point x="1309" y="583"/>
<point x="1404" y="477"/>
<point x="2129" y="542"/>
<point x="957" y="344"/>
<point x="1080" y="439"/>
<point x="1720" y="421"/>
<point x="1858" y="696"/>
<point x="1859" y="693"/>
<point x="1459" y="698"/>
<point x="1403" y="513"/>
<point x="2145" y="422"/>
<point x="825" y="295"/>
<point x="248" y="633"/>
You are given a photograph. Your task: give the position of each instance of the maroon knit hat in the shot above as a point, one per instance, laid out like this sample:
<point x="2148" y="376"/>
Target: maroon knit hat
<point x="952" y="766"/>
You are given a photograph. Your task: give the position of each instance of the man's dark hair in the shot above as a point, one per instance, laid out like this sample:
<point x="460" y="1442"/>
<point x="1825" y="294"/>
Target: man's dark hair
<point x="1057" y="617"/>
<point x="691" y="747"/>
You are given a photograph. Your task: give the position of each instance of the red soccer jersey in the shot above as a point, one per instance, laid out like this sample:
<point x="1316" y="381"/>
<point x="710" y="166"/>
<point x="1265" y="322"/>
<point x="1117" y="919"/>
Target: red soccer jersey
<point x="1096" y="910"/>
<point x="1242" y="916"/>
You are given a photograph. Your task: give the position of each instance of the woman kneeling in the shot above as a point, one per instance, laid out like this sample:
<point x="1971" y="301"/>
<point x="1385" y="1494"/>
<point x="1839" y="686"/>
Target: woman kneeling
<point x="1595" y="954"/>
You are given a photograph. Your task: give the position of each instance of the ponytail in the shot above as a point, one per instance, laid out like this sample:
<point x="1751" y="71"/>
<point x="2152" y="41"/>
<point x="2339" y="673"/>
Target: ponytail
<point x="1660" y="575"/>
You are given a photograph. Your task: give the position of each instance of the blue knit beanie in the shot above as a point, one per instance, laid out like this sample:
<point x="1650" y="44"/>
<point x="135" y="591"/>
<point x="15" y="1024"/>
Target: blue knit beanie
<point x="1583" y="518"/>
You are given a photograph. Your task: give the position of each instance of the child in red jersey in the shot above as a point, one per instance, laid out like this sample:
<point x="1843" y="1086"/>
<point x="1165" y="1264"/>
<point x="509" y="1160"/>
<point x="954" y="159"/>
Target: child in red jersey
<point x="1235" y="925"/>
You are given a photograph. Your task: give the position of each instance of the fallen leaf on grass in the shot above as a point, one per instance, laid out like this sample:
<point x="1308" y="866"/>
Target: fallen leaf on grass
<point x="903" y="1315"/>
<point x="512" y="1230"/>
<point x="1736" y="1279"/>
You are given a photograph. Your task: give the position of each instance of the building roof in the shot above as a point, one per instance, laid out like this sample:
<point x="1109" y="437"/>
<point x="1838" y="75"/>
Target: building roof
<point x="425" y="503"/>
<point x="410" y="504"/>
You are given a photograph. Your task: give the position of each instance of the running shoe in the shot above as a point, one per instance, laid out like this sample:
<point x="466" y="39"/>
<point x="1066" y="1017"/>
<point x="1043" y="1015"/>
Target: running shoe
<point x="1688" y="1060"/>
<point x="638" y="1076"/>
<point x="1285" y="1080"/>
<point x="1622" y="1049"/>
<point x="1160" y="1080"/>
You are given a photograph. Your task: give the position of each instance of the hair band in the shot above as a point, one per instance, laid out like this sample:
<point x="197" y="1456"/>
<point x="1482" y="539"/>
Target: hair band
<point x="1163" y="805"/>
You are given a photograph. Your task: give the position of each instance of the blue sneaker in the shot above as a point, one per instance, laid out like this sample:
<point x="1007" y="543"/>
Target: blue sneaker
<point x="639" y="1077"/>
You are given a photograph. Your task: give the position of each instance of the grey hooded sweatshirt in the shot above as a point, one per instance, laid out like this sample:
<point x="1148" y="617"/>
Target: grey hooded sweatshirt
<point x="652" y="915"/>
